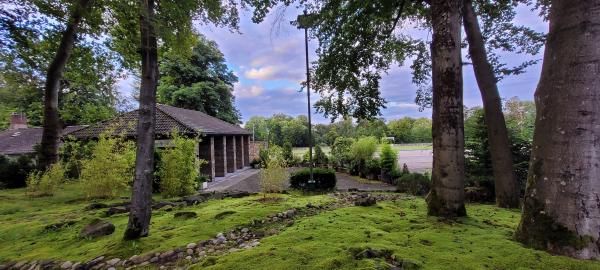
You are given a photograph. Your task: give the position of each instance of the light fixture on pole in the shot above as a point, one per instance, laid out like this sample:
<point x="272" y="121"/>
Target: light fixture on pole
<point x="302" y="23"/>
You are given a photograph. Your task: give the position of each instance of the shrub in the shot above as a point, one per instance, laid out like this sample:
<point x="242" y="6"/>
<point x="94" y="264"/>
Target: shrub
<point x="178" y="170"/>
<point x="110" y="169"/>
<point x="288" y="154"/>
<point x="371" y="169"/>
<point x="273" y="175"/>
<point x="388" y="161"/>
<point x="324" y="179"/>
<point x="263" y="156"/>
<point x="14" y="172"/>
<point x="363" y="150"/>
<point x="340" y="151"/>
<point x="320" y="157"/>
<point x="45" y="183"/>
<point x="414" y="183"/>
<point x="72" y="152"/>
<point x="255" y="163"/>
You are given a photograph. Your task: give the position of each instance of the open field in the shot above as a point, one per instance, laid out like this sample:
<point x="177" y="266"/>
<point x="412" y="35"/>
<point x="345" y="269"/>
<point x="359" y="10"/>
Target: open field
<point x="331" y="238"/>
<point x="300" y="151"/>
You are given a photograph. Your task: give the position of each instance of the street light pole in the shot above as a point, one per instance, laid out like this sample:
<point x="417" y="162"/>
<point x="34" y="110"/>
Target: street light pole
<point x="310" y="142"/>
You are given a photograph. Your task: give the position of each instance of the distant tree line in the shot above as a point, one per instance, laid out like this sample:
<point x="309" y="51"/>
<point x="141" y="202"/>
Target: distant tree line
<point x="281" y="129"/>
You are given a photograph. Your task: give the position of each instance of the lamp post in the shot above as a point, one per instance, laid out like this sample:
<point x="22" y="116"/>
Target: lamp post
<point x="302" y="24"/>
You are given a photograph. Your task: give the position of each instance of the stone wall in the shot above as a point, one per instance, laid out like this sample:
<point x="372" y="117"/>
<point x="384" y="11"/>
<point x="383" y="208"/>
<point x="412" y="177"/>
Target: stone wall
<point x="254" y="147"/>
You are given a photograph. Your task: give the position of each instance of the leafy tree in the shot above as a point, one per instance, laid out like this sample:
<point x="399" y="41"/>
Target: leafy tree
<point x="259" y="127"/>
<point x="561" y="213"/>
<point x="320" y="157"/>
<point x="362" y="151"/>
<point x="375" y="128"/>
<point x="421" y="130"/>
<point x="341" y="151"/>
<point x="401" y="129"/>
<point x="202" y="82"/>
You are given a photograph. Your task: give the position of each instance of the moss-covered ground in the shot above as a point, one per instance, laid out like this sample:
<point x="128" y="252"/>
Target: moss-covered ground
<point x="23" y="221"/>
<point x="328" y="240"/>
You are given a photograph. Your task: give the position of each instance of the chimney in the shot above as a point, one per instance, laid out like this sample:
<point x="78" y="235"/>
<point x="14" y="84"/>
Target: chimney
<point x="18" y="121"/>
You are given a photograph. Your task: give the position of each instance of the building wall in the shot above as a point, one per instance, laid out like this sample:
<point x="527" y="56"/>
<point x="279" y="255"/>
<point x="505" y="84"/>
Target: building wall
<point x="254" y="147"/>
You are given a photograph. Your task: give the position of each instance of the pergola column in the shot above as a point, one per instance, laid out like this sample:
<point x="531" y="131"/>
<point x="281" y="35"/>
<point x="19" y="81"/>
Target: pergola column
<point x="239" y="151"/>
<point x="246" y="139"/>
<point x="220" y="152"/>
<point x="206" y="151"/>
<point x="230" y="149"/>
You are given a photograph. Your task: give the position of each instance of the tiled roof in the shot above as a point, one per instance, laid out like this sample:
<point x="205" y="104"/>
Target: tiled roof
<point x="168" y="118"/>
<point x="23" y="140"/>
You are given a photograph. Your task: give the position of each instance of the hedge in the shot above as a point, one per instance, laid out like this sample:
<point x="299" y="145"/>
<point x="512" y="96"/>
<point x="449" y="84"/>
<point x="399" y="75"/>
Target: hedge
<point x="324" y="179"/>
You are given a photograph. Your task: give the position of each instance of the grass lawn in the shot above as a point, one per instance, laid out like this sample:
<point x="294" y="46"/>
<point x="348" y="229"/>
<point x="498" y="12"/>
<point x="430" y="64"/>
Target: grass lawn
<point x="300" y="151"/>
<point x="23" y="219"/>
<point x="327" y="240"/>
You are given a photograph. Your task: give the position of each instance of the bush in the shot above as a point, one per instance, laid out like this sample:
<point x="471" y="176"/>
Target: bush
<point x="324" y="179"/>
<point x="388" y="161"/>
<point x="273" y="175"/>
<point x="341" y="151"/>
<point x="320" y="157"/>
<point x="361" y="151"/>
<point x="178" y="170"/>
<point x="372" y="169"/>
<point x="72" y="152"/>
<point x="14" y="172"/>
<point x="45" y="183"/>
<point x="414" y="183"/>
<point x="263" y="156"/>
<point x="110" y="169"/>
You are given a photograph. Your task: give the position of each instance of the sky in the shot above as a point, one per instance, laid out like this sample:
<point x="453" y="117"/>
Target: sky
<point x="269" y="60"/>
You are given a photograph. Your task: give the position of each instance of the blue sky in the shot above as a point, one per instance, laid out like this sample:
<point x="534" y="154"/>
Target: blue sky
<point x="269" y="60"/>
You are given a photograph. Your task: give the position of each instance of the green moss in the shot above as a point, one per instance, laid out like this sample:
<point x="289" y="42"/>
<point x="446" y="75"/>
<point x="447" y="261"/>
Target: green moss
<point x="23" y="233"/>
<point x="539" y="230"/>
<point x="332" y="239"/>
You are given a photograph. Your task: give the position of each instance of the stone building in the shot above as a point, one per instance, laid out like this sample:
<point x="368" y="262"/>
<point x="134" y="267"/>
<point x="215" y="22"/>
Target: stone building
<point x="224" y="146"/>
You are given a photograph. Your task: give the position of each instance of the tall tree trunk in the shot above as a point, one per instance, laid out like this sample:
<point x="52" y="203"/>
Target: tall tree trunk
<point x="447" y="194"/>
<point x="52" y="127"/>
<point x="561" y="211"/>
<point x="141" y="198"/>
<point x="507" y="193"/>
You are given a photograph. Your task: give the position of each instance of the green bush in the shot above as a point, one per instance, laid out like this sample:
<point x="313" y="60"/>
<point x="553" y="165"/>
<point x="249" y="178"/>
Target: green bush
<point x="14" y="172"/>
<point x="263" y="156"/>
<point x="362" y="150"/>
<point x="178" y="170"/>
<point x="288" y="154"/>
<point x="371" y="169"/>
<point x="45" y="183"/>
<point x="273" y="175"/>
<point x="324" y="179"/>
<point x="110" y="169"/>
<point x="72" y="152"/>
<point x="341" y="151"/>
<point x="320" y="157"/>
<point x="388" y="161"/>
<point x="414" y="183"/>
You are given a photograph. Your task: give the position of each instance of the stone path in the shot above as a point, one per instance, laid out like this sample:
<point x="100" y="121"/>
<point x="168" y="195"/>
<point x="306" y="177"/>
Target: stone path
<point x="249" y="181"/>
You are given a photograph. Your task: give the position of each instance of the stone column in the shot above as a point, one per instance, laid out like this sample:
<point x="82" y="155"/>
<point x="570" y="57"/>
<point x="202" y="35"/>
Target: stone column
<point x="243" y="151"/>
<point x="239" y="152"/>
<point x="206" y="150"/>
<point x="247" y="149"/>
<point x="230" y="150"/>
<point x="220" y="156"/>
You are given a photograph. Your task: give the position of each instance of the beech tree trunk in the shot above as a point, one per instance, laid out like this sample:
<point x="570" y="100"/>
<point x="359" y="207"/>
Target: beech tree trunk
<point x="52" y="127"/>
<point x="141" y="198"/>
<point x="446" y="198"/>
<point x="561" y="211"/>
<point x="507" y="192"/>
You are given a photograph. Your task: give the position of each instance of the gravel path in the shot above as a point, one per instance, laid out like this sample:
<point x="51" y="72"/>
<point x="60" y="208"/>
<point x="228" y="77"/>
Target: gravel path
<point x="250" y="181"/>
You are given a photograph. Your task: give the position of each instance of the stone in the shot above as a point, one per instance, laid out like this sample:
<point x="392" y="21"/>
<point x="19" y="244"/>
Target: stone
<point x="365" y="201"/>
<point x="66" y="265"/>
<point x="202" y="253"/>
<point x="116" y="210"/>
<point x="94" y="262"/>
<point x="190" y="251"/>
<point x="204" y="243"/>
<point x="113" y="262"/>
<point x="160" y="205"/>
<point x="18" y="265"/>
<point x="111" y="268"/>
<point x="76" y="265"/>
<point x="154" y="259"/>
<point x="167" y="255"/>
<point x="191" y="245"/>
<point x="274" y="219"/>
<point x="97" y="228"/>
<point x="185" y="215"/>
<point x="245" y="230"/>
<point x="59" y="225"/>
<point x="138" y="259"/>
<point x="188" y="257"/>
<point x="290" y="213"/>
<point x="233" y="249"/>
<point x="196" y="199"/>
<point x="95" y="206"/>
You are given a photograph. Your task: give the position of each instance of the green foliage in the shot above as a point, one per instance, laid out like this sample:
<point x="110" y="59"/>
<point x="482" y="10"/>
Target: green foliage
<point x="110" y="168"/>
<point x="341" y="151"/>
<point x="274" y="174"/>
<point x="201" y="82"/>
<point x="400" y="129"/>
<point x="288" y="154"/>
<point x="45" y="183"/>
<point x="14" y="172"/>
<point x="324" y="179"/>
<point x="414" y="183"/>
<point x="388" y="158"/>
<point x="320" y="157"/>
<point x="72" y="154"/>
<point x="179" y="167"/>
<point x="364" y="148"/>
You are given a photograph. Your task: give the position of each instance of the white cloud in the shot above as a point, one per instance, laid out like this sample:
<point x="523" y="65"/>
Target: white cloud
<point x="403" y="105"/>
<point x="264" y="73"/>
<point x="240" y="91"/>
